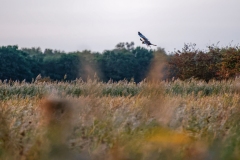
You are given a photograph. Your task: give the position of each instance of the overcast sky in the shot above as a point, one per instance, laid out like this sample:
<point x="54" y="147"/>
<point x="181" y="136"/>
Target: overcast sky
<point x="99" y="25"/>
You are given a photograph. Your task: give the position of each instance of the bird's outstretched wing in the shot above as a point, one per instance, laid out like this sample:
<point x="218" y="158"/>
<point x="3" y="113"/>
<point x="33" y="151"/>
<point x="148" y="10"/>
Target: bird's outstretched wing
<point x="145" y="40"/>
<point x="142" y="36"/>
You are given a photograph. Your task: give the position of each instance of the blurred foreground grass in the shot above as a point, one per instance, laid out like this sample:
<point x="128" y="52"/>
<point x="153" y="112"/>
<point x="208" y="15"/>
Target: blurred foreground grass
<point x="124" y="120"/>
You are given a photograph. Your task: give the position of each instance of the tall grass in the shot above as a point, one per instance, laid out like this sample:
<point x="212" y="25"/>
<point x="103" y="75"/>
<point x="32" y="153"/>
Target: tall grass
<point x="122" y="88"/>
<point x="124" y="120"/>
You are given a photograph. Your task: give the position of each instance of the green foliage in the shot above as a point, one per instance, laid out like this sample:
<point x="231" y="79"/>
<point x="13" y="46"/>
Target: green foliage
<point x="124" y="62"/>
<point x="14" y="64"/>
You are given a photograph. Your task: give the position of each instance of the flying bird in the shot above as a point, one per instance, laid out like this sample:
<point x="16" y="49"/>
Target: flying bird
<point x="145" y="40"/>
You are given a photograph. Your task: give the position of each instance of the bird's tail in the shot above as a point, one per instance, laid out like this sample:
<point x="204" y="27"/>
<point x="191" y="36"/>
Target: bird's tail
<point x="153" y="44"/>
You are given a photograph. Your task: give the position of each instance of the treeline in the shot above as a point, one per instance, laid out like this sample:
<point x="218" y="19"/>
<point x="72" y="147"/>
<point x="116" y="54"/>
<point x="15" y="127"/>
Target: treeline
<point x="219" y="63"/>
<point x="123" y="62"/>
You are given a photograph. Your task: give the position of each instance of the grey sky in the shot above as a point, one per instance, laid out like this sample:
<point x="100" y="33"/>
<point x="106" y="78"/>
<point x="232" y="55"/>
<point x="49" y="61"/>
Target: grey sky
<point x="97" y="25"/>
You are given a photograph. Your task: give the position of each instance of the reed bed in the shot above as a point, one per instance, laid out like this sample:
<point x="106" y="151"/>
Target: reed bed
<point x="95" y="120"/>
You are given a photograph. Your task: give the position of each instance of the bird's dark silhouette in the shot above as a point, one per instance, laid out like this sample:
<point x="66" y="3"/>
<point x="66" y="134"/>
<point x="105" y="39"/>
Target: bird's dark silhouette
<point x="145" y="40"/>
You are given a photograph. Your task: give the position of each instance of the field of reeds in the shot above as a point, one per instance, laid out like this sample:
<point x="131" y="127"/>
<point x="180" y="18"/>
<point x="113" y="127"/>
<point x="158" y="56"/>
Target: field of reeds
<point x="120" y="121"/>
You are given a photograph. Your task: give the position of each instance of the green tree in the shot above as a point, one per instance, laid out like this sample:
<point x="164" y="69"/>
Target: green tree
<point x="14" y="64"/>
<point x="125" y="63"/>
<point x="142" y="63"/>
<point x="36" y="59"/>
<point x="68" y="64"/>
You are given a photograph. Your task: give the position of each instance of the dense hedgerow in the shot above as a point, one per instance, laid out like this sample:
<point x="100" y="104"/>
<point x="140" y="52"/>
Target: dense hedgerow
<point x="123" y="62"/>
<point x="215" y="63"/>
